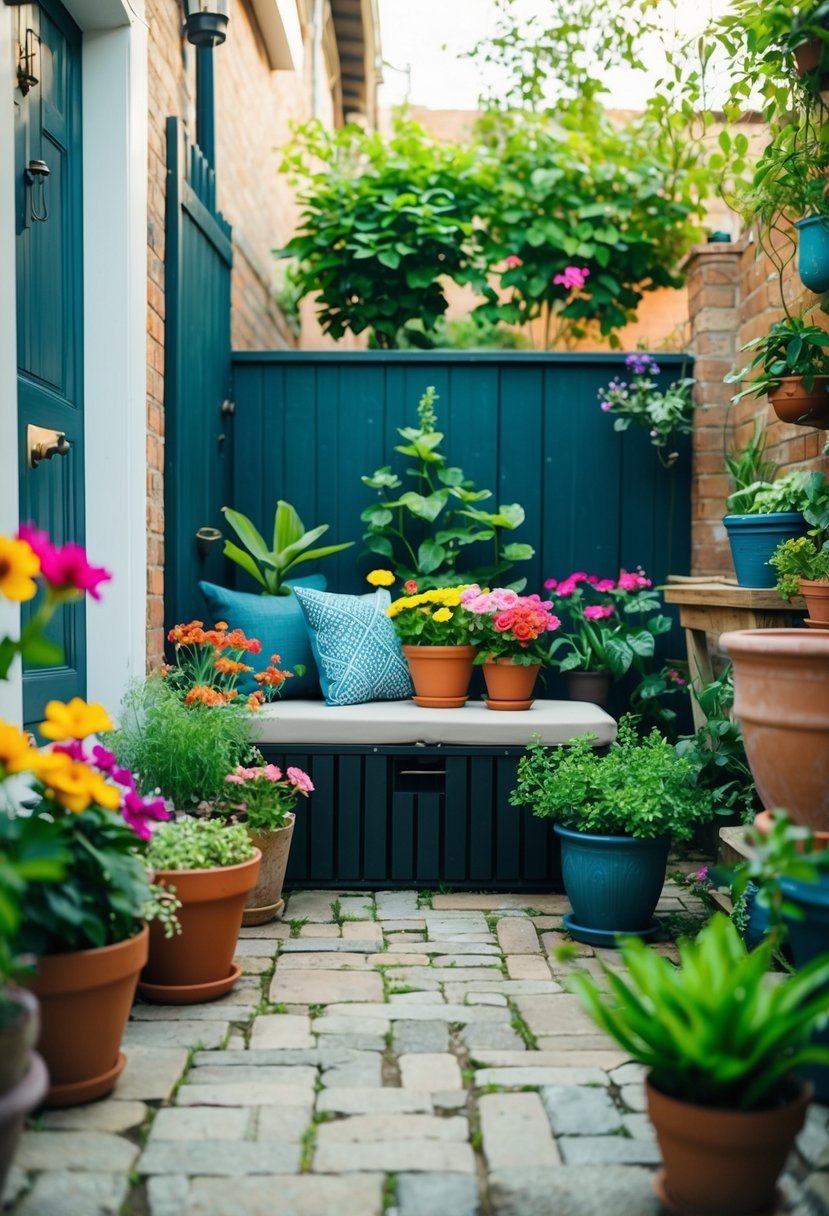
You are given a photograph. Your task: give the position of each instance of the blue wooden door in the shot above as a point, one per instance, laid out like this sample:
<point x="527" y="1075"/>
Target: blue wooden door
<point x="50" y="311"/>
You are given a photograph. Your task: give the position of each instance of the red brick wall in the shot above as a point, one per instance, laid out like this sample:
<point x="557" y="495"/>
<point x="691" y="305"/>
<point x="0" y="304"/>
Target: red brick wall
<point x="734" y="295"/>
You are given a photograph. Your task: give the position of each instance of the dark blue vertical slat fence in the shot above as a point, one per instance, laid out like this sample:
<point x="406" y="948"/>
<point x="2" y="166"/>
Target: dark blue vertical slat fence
<point x="528" y="426"/>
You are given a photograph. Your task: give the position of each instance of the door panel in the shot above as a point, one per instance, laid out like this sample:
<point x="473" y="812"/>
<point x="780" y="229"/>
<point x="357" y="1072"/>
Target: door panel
<point x="49" y="314"/>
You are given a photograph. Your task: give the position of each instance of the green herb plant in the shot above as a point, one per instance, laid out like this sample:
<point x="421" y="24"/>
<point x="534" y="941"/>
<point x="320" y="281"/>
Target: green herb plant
<point x="791" y="347"/>
<point x="793" y="492"/>
<point x="424" y="533"/>
<point x="638" y="788"/>
<point x="714" y="1031"/>
<point x="749" y="465"/>
<point x="291" y="546"/>
<point x="198" y="844"/>
<point x="717" y="755"/>
<point x="808" y="556"/>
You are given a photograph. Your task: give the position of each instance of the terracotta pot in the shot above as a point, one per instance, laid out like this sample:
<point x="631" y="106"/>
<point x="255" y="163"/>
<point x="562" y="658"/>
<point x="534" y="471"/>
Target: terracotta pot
<point x="197" y="964"/>
<point x="23" y="1076"/>
<point x="781" y="699"/>
<point x="440" y="674"/>
<point x="764" y="820"/>
<point x="85" y="999"/>
<point x="265" y="901"/>
<point x="792" y="403"/>
<point x="592" y="686"/>
<point x="724" y="1162"/>
<point x="509" y="684"/>
<point x="816" y="595"/>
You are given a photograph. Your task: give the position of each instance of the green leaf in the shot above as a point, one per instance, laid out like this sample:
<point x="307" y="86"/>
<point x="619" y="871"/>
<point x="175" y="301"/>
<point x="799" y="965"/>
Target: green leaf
<point x="430" y="555"/>
<point x="40" y="652"/>
<point x="517" y="552"/>
<point x="244" y="560"/>
<point x="389" y="257"/>
<point x="250" y="537"/>
<point x="287" y="526"/>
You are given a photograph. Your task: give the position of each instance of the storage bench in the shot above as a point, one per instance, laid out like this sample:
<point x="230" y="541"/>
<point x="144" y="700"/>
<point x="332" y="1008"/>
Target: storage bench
<point x="411" y="797"/>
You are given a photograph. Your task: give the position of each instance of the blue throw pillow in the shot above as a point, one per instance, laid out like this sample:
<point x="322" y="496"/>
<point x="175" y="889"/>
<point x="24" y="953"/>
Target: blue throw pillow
<point x="278" y="623"/>
<point x="356" y="648"/>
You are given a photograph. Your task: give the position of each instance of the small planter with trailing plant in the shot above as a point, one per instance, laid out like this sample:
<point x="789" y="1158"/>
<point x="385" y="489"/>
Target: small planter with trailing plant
<point x="615" y="815"/>
<point x="791" y="363"/>
<point x="802" y="565"/>
<point x="511" y="633"/>
<point x="211" y="868"/>
<point x="437" y="641"/>
<point x="760" y="517"/>
<point x="263" y="801"/>
<point x="664" y="414"/>
<point x="721" y="1043"/>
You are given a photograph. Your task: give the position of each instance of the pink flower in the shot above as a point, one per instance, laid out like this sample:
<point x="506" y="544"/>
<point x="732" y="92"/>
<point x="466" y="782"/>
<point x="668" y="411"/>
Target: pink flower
<point x="566" y="588"/>
<point x="272" y="772"/>
<point x="550" y="584"/>
<point x="139" y="813"/>
<point x="64" y="569"/>
<point x="512" y="261"/>
<point x="573" y="276"/>
<point x="471" y="593"/>
<point x="605" y="584"/>
<point x="598" y="612"/>
<point x="606" y="405"/>
<point x="503" y="621"/>
<point x="633" y="581"/>
<point x="300" y="780"/>
<point x="235" y="778"/>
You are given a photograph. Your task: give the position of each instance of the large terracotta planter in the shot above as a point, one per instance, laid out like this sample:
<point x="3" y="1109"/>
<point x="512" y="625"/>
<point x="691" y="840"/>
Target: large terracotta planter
<point x="23" y="1076"/>
<point x="509" y="685"/>
<point x="592" y="686"/>
<point x="816" y="595"/>
<point x="440" y="674"/>
<point x="723" y="1162"/>
<point x="85" y="999"/>
<point x="792" y="403"/>
<point x="265" y="900"/>
<point x="197" y="964"/>
<point x="781" y="699"/>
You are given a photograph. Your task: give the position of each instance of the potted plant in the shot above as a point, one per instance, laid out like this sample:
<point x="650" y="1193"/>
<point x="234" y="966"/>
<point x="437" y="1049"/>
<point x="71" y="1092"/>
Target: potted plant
<point x="613" y="624"/>
<point x="761" y="516"/>
<point x="615" y="816"/>
<point x="792" y="367"/>
<point x="510" y="631"/>
<point x="721" y="1043"/>
<point x="802" y="565"/>
<point x="263" y="800"/>
<point x="210" y="867"/>
<point x="291" y="546"/>
<point x="437" y="641"/>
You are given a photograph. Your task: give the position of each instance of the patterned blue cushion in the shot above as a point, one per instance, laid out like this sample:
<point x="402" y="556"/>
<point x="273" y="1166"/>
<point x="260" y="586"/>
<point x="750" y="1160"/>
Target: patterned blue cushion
<point x="356" y="648"/>
<point x="277" y="621"/>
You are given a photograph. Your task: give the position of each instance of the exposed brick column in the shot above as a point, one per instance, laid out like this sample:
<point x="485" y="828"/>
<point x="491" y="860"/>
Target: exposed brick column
<point x="713" y="298"/>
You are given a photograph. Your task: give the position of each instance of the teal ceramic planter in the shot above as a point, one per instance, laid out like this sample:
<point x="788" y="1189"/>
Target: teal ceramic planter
<point x="808" y="939"/>
<point x="813" y="252"/>
<point x="613" y="884"/>
<point x="753" y="539"/>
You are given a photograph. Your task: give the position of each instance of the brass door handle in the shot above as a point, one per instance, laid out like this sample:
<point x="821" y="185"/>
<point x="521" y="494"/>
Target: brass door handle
<point x="43" y="443"/>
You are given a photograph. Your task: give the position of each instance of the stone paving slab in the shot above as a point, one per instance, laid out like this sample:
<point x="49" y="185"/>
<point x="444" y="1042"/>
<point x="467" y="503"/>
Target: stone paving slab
<point x="225" y="1158"/>
<point x="332" y="945"/>
<point x="371" y="1128"/>
<point x="281" y="1030"/>
<point x="437" y="1195"/>
<point x="151" y="1072"/>
<point x="70" y="1150"/>
<point x="314" y="987"/>
<point x="245" y="1093"/>
<point x="573" y="1191"/>
<point x="426" y="1013"/>
<point x="72" y="1193"/>
<point x="96" y="1117"/>
<point x="186" y="1033"/>
<point x="516" y="1132"/>
<point x="359" y="1195"/>
<point x="327" y="961"/>
<point x="197" y="1123"/>
<point x="608" y="1150"/>
<point x="394" y="1156"/>
<point x="515" y="1078"/>
<point x="371" y="1101"/>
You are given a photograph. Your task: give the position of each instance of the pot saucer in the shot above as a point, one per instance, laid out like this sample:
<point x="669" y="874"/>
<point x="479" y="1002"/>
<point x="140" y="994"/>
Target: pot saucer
<point x="680" y="1209"/>
<point x="807" y="620"/>
<point x="607" y="937"/>
<point x="509" y="704"/>
<point x="74" y="1093"/>
<point x="261" y="916"/>
<point x="440" y="702"/>
<point x="189" y="994"/>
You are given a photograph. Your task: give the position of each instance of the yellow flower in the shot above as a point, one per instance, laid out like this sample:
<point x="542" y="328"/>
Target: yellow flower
<point x="442" y="614"/>
<point x="76" y="786"/>
<point x="74" y="720"/>
<point x="16" y="752"/>
<point x="380" y="578"/>
<point x="18" y="566"/>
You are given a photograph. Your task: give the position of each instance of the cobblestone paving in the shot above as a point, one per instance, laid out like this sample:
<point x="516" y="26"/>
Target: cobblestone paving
<point x="392" y="1053"/>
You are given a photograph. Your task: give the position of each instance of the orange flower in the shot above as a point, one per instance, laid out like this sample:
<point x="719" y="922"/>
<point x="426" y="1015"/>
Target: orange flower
<point x="229" y="667"/>
<point x="205" y="695"/>
<point x="75" y="720"/>
<point x="187" y="635"/>
<point x="272" y="677"/>
<point x="222" y="625"/>
<point x="255" y="700"/>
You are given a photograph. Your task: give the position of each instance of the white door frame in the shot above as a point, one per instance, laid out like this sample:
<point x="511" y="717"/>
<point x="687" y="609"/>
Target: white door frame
<point x="114" y="99"/>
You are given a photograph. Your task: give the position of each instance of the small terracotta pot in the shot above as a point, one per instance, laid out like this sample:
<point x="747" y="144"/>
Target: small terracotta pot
<point x="781" y="699"/>
<point x="764" y="821"/>
<point x="85" y="999"/>
<point x="793" y="404"/>
<point x="509" y="684"/>
<point x="265" y="900"/>
<point x="592" y="686"/>
<point x="816" y="595"/>
<point x="197" y="964"/>
<point x="724" y="1162"/>
<point x="440" y="674"/>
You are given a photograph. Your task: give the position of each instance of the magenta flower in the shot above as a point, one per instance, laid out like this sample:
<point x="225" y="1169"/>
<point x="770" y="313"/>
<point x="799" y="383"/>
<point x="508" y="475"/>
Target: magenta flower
<point x="572" y="277"/>
<point x="606" y="405"/>
<point x="605" y="584"/>
<point x="632" y="581"/>
<point x="512" y="261"/>
<point x="300" y="780"/>
<point x="598" y="612"/>
<point x="139" y="813"/>
<point x="65" y="569"/>
<point x="550" y="584"/>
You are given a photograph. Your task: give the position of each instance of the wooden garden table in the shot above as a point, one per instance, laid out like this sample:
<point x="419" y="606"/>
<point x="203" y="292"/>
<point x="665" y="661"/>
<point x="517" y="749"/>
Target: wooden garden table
<point x="716" y="606"/>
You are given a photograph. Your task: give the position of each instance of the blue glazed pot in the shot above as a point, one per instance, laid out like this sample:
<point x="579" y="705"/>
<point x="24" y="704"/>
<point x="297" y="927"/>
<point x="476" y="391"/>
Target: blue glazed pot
<point x="808" y="939"/>
<point x="753" y="539"/>
<point x="612" y="882"/>
<point x="813" y="252"/>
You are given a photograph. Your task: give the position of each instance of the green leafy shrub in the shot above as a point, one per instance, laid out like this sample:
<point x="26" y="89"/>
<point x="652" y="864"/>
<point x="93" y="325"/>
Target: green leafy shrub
<point x="717" y="754"/>
<point x="799" y="559"/>
<point x="198" y="844"/>
<point x="793" y="492"/>
<point x="714" y="1031"/>
<point x="638" y="788"/>
<point x="790" y="348"/>
<point x="291" y="545"/>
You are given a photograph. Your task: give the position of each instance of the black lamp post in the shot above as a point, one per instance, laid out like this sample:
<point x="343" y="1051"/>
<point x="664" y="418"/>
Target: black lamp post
<point x="205" y="21"/>
<point x="205" y="25"/>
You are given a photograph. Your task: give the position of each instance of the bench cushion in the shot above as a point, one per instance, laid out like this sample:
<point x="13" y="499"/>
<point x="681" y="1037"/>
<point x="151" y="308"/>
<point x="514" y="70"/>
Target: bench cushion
<point x="390" y="723"/>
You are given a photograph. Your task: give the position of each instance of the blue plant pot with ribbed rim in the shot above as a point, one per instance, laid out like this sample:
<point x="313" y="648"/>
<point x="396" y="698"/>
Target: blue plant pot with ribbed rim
<point x="809" y="938"/>
<point x="813" y="252"/>
<point x="613" y="883"/>
<point x="753" y="539"/>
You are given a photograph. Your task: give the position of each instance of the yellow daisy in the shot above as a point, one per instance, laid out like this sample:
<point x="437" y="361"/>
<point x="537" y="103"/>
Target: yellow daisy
<point x="75" y="720"/>
<point x="19" y="565"/>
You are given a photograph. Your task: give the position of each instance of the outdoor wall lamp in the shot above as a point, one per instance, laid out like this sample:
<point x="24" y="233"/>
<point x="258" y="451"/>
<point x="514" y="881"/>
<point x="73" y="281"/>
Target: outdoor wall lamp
<point x="205" y="21"/>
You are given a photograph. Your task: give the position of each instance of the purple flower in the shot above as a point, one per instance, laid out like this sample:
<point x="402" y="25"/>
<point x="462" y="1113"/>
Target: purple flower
<point x="606" y="405"/>
<point x="139" y="813"/>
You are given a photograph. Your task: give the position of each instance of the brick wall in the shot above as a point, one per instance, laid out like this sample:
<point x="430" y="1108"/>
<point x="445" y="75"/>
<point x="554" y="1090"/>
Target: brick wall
<point x="254" y="109"/>
<point x="734" y="294"/>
